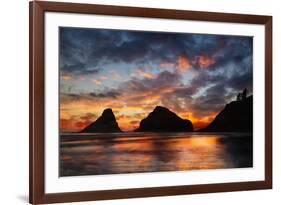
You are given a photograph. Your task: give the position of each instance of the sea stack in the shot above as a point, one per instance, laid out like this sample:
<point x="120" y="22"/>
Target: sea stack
<point x="106" y="123"/>
<point x="164" y="120"/>
<point x="237" y="116"/>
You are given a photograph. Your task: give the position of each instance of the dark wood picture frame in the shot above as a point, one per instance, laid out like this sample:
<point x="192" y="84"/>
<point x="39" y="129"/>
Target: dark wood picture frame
<point x="37" y="193"/>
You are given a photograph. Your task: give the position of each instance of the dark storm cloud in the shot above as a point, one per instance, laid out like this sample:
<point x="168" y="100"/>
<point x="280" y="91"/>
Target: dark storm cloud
<point x="79" y="68"/>
<point x="235" y="74"/>
<point x="185" y="91"/>
<point x="239" y="82"/>
<point x="205" y="78"/>
<point x="109" y="94"/>
<point x="79" y="96"/>
<point x="84" y="50"/>
<point x="203" y="106"/>
<point x="213" y="98"/>
<point x="220" y="90"/>
<point x="216" y="90"/>
<point x="234" y="50"/>
<point x="164" y="79"/>
<point x="70" y="96"/>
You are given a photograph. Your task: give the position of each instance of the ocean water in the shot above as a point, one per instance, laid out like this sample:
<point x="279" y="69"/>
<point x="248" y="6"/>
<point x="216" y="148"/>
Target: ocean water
<point x="117" y="153"/>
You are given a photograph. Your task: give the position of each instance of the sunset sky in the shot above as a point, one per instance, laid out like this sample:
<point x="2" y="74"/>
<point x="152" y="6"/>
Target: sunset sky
<point x="194" y="75"/>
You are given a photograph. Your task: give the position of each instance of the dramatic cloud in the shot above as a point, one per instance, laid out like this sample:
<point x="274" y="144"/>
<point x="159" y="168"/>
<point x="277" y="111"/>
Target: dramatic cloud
<point x="110" y="94"/>
<point x="84" y="50"/>
<point x="194" y="75"/>
<point x="183" y="63"/>
<point x="204" y="61"/>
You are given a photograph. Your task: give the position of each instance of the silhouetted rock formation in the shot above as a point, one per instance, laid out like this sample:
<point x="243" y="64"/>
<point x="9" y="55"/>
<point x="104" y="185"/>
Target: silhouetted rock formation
<point x="163" y="120"/>
<point x="106" y="123"/>
<point x="237" y="116"/>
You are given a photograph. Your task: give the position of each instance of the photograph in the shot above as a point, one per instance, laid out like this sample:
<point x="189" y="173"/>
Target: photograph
<point x="152" y="101"/>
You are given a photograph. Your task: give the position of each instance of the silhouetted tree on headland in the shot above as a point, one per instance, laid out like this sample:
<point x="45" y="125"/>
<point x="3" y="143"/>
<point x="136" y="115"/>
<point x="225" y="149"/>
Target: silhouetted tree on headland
<point x="238" y="97"/>
<point x="242" y="96"/>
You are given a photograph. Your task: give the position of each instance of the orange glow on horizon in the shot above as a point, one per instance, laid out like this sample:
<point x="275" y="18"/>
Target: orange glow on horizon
<point x="127" y="118"/>
<point x="129" y="110"/>
<point x="198" y="122"/>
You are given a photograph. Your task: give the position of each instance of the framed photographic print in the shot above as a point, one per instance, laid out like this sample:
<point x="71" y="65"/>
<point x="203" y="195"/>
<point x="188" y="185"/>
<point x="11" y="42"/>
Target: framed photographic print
<point x="139" y="102"/>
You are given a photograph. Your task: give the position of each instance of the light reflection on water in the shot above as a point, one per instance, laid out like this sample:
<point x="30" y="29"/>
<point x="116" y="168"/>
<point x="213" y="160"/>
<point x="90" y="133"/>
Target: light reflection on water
<point x="94" y="154"/>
